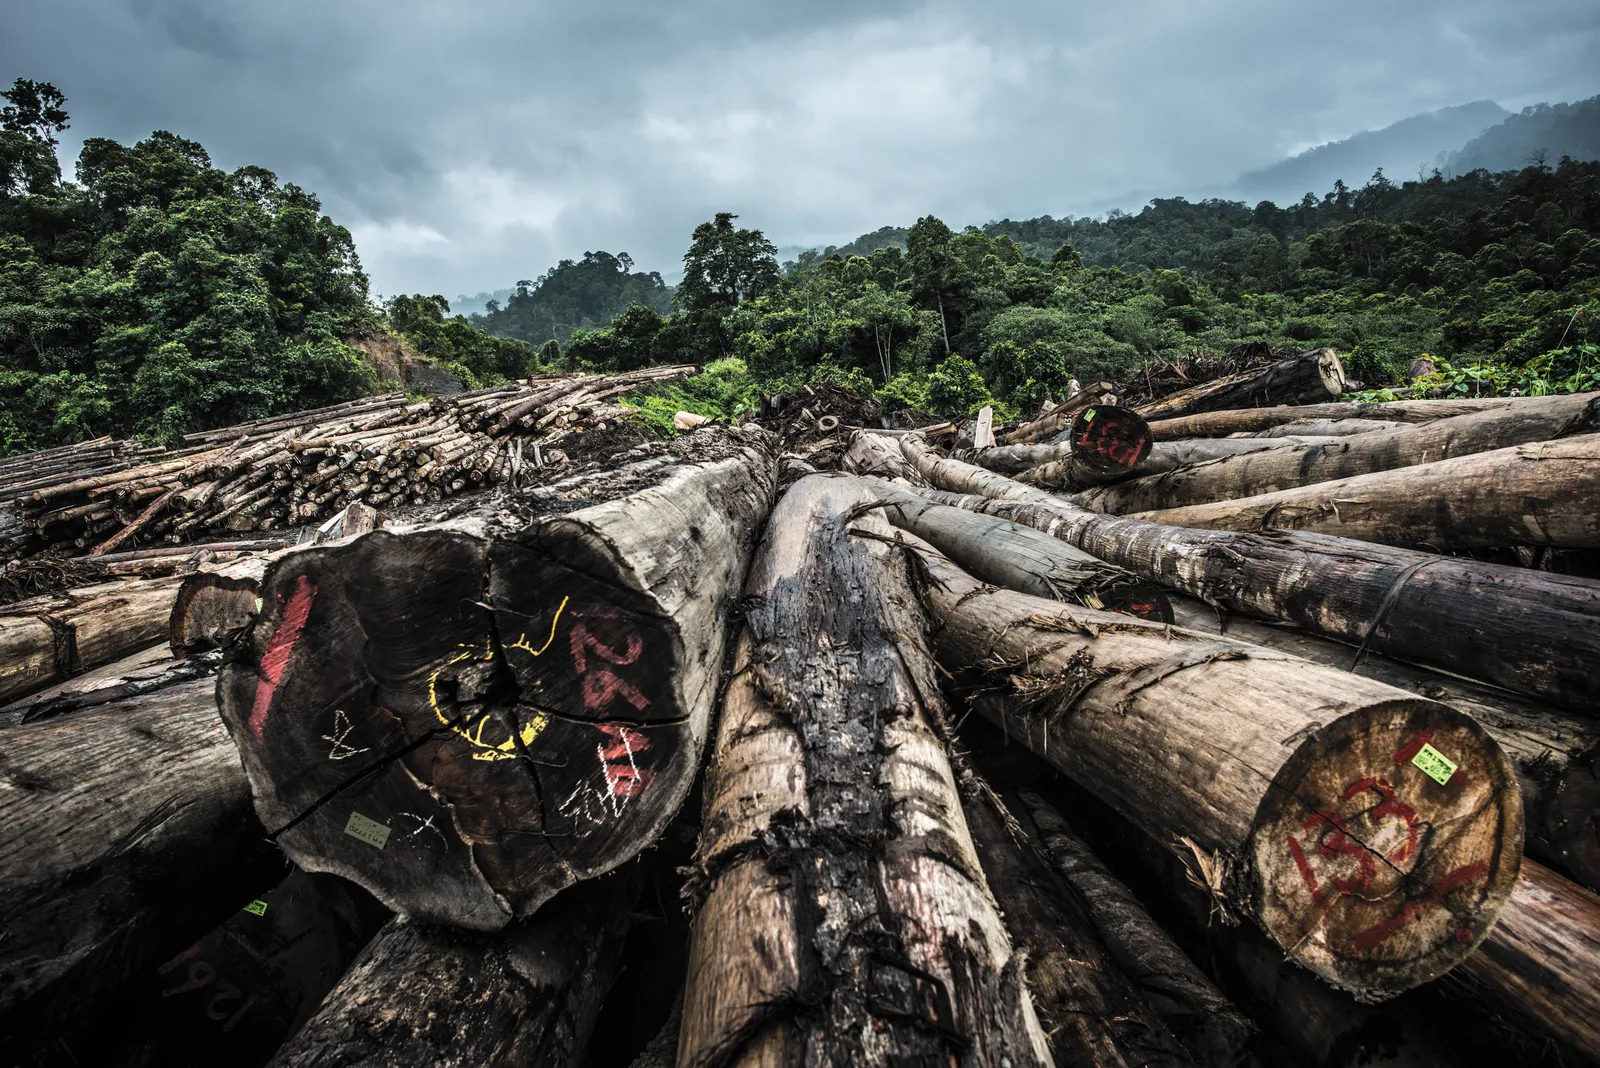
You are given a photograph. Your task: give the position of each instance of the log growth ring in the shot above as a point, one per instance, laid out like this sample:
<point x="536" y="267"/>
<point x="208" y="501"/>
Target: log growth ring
<point x="1369" y="870"/>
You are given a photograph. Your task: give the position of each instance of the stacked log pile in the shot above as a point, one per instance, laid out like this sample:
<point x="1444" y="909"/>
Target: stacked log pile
<point x="1066" y="742"/>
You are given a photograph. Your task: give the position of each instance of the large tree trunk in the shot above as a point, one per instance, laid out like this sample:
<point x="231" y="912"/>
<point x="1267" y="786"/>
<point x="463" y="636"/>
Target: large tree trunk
<point x="216" y="603"/>
<point x="1526" y="630"/>
<point x="845" y="917"/>
<point x="1541" y="962"/>
<point x="1338" y="428"/>
<point x="1251" y="420"/>
<point x="1021" y="558"/>
<point x="1540" y="494"/>
<point x="878" y="454"/>
<point x="1280" y="469"/>
<point x="1556" y="755"/>
<point x="1092" y="1013"/>
<point x="1311" y="376"/>
<point x="467" y="718"/>
<point x="525" y="997"/>
<point x="54" y="637"/>
<point x="1284" y="778"/>
<point x="1163" y="456"/>
<point x="127" y="833"/>
<point x="1060" y="418"/>
<point x="1189" y="1002"/>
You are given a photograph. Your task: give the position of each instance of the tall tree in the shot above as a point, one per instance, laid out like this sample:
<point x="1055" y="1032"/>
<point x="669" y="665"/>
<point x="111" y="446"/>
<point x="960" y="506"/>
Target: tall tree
<point x="725" y="266"/>
<point x="933" y="265"/>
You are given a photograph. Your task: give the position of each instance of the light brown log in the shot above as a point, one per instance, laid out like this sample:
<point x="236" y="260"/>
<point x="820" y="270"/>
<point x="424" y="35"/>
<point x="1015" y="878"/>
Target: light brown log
<point x="1091" y="1011"/>
<point x="1163" y="455"/>
<point x="1287" y="779"/>
<point x="54" y="637"/>
<point x="1544" y="419"/>
<point x="1556" y="755"/>
<point x="1539" y="965"/>
<point x="1058" y="418"/>
<point x="537" y="694"/>
<point x="1310" y="376"/>
<point x="845" y="917"/>
<point x="1182" y="995"/>
<point x="127" y="833"/>
<point x="1329" y="427"/>
<point x="1539" y="494"/>
<point x="1250" y="420"/>
<point x="422" y="996"/>
<point x="877" y="454"/>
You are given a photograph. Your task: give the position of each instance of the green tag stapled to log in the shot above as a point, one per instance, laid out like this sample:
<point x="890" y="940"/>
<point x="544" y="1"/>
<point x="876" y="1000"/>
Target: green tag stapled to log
<point x="1088" y="416"/>
<point x="376" y="834"/>
<point x="256" y="908"/>
<point x="1434" y="764"/>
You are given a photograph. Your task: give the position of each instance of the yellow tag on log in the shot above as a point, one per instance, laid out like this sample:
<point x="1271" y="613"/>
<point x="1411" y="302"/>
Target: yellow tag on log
<point x="1088" y="416"/>
<point x="1434" y="764"/>
<point x="256" y="908"/>
<point x="376" y="834"/>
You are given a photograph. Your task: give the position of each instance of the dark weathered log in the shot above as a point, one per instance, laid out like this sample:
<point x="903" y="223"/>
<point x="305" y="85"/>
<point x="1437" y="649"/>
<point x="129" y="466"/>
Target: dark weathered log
<point x="1337" y="428"/>
<point x="1545" y="419"/>
<point x="1163" y="456"/>
<point x="1060" y="418"/>
<point x="465" y="719"/>
<point x="1556" y="755"/>
<point x="1021" y="558"/>
<point x="216" y="603"/>
<point x="54" y="637"/>
<point x="1251" y="420"/>
<point x="422" y="996"/>
<point x="1310" y="376"/>
<point x="1540" y="964"/>
<point x="1526" y="630"/>
<point x="1106" y="444"/>
<point x="144" y="672"/>
<point x="1093" y="1014"/>
<point x="1539" y="494"/>
<point x="127" y="833"/>
<point x="845" y="916"/>
<point x="1287" y="780"/>
<point x="1192" y="1006"/>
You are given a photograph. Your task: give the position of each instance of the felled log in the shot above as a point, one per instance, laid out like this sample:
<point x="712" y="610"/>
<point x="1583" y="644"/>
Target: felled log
<point x="216" y="603"/>
<point x="1288" y="781"/>
<point x="1090" y="1010"/>
<point x="1556" y="755"/>
<point x="1540" y="964"/>
<point x="1060" y="418"/>
<point x="467" y="718"/>
<point x="844" y="913"/>
<point x="1310" y="376"/>
<point x="1541" y="494"/>
<point x="1526" y="630"/>
<point x="871" y="453"/>
<point x="46" y="639"/>
<point x="1021" y="558"/>
<point x="1337" y="428"/>
<point x="1189" y="1002"/>
<point x="1106" y="444"/>
<point x="1251" y="420"/>
<point x="421" y="995"/>
<point x="1545" y="419"/>
<point x="127" y="833"/>
<point x="1163" y="456"/>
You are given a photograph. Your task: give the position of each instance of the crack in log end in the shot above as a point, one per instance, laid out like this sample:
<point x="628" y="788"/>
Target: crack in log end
<point x="1366" y="868"/>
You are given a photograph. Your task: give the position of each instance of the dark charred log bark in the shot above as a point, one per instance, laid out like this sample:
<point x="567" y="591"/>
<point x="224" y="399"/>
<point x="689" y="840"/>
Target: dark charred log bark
<point x="1311" y="376"/>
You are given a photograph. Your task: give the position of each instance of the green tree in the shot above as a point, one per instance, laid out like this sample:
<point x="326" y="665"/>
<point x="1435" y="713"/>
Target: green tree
<point x="725" y="265"/>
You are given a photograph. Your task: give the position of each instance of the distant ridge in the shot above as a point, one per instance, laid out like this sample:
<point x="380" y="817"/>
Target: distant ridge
<point x="1401" y="149"/>
<point x="1547" y="131"/>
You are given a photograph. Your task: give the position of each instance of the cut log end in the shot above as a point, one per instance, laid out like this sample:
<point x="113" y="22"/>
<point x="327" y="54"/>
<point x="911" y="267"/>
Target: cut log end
<point x="1387" y="846"/>
<point x="1109" y="440"/>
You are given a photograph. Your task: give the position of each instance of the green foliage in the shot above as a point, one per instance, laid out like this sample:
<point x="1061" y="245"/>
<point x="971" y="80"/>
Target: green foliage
<point x="453" y="344"/>
<point x="573" y="295"/>
<point x="956" y="388"/>
<point x="725" y="390"/>
<point x="725" y="266"/>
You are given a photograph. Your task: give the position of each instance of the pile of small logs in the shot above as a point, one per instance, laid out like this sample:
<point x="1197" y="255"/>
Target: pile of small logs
<point x="669" y="757"/>
<point x="289" y="471"/>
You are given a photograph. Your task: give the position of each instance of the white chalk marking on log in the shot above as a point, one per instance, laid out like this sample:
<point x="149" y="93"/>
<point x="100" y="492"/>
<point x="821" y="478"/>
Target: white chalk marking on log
<point x="341" y="730"/>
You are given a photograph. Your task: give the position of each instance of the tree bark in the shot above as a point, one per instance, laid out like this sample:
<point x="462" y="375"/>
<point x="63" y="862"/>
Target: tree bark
<point x="1093" y="1014"/>
<point x="1021" y="558"/>
<point x="1540" y="494"/>
<point x="1540" y="963"/>
<point x="1337" y="428"/>
<point x="1271" y="470"/>
<point x="1556" y="755"/>
<point x="1192" y="1006"/>
<point x="127" y="833"/>
<point x="54" y="637"/>
<point x="216" y="603"/>
<point x="1251" y="420"/>
<point x="1058" y="419"/>
<point x="467" y="718"/>
<point x="525" y="997"/>
<point x="877" y="454"/>
<point x="1529" y="631"/>
<point x="1310" y="376"/>
<point x="844" y="919"/>
<point x="1163" y="456"/>
<point x="1286" y="780"/>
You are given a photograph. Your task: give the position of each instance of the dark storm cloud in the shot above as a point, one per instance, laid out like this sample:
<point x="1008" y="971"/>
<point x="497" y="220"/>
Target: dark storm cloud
<point x="471" y="145"/>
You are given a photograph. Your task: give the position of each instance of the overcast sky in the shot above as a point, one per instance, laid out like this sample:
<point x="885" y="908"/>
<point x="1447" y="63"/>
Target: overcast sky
<point x="469" y="145"/>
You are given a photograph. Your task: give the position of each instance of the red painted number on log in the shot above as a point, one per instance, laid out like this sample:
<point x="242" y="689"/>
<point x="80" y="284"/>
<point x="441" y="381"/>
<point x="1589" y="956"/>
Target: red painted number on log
<point x="1379" y="932"/>
<point x="582" y="641"/>
<point x="279" y="648"/>
<point x="624" y="778"/>
<point x="1105" y="437"/>
<point x="1338" y="842"/>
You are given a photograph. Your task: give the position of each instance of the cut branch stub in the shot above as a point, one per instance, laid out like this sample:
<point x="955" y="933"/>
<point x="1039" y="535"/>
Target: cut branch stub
<point x="465" y="724"/>
<point x="1109" y="440"/>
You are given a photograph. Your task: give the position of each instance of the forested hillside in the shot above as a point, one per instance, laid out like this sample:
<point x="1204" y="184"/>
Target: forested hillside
<point x="1542" y="132"/>
<point x="574" y="295"/>
<point x="157" y="294"/>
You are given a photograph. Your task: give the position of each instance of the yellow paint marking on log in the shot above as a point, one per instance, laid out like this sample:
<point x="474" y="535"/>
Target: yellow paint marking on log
<point x="527" y="732"/>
